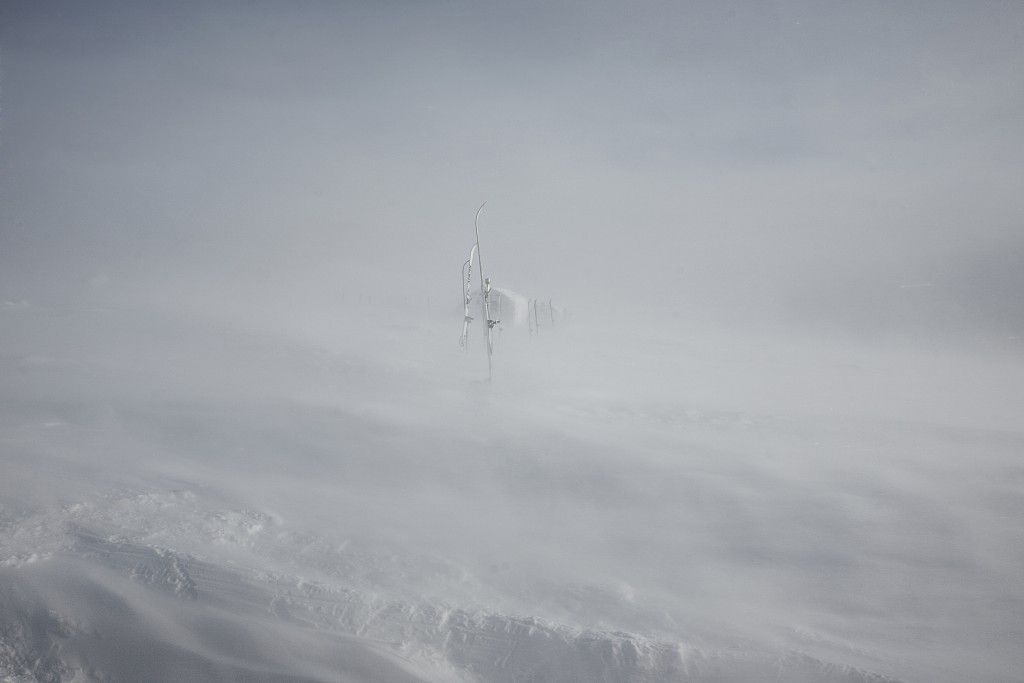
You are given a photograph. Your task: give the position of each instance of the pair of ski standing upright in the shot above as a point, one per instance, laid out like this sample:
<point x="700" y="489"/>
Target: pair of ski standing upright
<point x="485" y="291"/>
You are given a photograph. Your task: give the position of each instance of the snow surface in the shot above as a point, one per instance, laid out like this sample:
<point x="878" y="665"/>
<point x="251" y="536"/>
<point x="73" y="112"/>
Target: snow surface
<point x="186" y="497"/>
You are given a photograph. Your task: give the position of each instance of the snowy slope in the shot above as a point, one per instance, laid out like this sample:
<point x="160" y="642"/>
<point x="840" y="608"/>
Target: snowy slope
<point x="185" y="498"/>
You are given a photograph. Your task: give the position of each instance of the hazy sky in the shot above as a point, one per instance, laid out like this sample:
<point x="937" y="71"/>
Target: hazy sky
<point x="731" y="156"/>
<point x="198" y="397"/>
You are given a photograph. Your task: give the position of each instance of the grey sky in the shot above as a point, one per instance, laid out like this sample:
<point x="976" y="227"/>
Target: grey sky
<point x="736" y="157"/>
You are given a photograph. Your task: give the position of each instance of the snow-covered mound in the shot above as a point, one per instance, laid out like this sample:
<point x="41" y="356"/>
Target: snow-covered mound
<point x="518" y="310"/>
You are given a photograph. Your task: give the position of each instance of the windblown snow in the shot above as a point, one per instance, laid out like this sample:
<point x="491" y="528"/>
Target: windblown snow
<point x="185" y="498"/>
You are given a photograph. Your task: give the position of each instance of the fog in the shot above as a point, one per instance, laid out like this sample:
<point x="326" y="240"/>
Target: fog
<point x="770" y="430"/>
